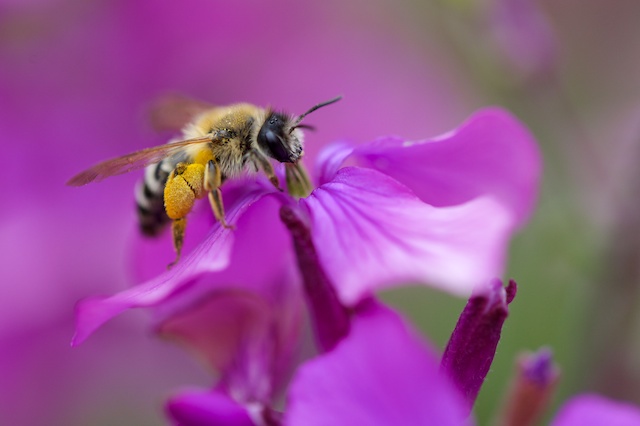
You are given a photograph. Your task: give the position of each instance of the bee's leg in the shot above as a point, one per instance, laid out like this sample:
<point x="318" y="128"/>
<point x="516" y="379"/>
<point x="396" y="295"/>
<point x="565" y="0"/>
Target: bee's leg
<point x="261" y="160"/>
<point x="183" y="186"/>
<point x="212" y="182"/>
<point x="178" y="227"/>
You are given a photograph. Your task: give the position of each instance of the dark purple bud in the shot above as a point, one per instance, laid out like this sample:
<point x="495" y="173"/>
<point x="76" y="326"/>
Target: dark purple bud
<point x="330" y="318"/>
<point x="531" y="390"/>
<point x="470" y="351"/>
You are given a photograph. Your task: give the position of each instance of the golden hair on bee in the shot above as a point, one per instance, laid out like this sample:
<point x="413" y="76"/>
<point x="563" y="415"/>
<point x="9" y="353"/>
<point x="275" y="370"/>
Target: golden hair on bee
<point x="218" y="143"/>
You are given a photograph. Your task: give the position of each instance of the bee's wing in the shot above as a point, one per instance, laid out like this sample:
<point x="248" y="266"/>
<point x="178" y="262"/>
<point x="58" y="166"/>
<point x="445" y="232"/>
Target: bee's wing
<point x="133" y="161"/>
<point x="172" y="112"/>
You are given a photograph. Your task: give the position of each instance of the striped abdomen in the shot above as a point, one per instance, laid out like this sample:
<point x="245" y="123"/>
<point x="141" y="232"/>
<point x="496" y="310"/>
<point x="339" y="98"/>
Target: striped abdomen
<point x="150" y="197"/>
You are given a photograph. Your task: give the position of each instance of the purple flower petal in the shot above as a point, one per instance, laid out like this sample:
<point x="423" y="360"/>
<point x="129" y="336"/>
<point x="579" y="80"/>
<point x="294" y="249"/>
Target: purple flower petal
<point x="206" y="408"/>
<point x="595" y="410"/>
<point x="330" y="160"/>
<point x="212" y="254"/>
<point x="491" y="153"/>
<point x="249" y="340"/>
<point x="224" y="328"/>
<point x="380" y="374"/>
<point x="370" y="232"/>
<point x="242" y="320"/>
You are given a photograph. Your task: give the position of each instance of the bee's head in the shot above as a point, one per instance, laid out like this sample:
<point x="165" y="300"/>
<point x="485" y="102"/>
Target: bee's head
<point x="280" y="136"/>
<point x="278" y="139"/>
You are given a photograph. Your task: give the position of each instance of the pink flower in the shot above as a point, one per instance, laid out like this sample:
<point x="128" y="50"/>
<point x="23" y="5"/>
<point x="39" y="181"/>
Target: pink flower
<point x="441" y="212"/>
<point x="596" y="410"/>
<point x="524" y="37"/>
<point x="380" y="374"/>
<point x="373" y="229"/>
<point x="76" y="83"/>
<point x="369" y="229"/>
<point x="532" y="388"/>
<point x="375" y="370"/>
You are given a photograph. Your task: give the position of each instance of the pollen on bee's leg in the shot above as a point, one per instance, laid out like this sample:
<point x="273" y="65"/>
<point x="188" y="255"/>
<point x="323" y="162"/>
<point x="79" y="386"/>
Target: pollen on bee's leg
<point x="178" y="227"/>
<point x="179" y="197"/>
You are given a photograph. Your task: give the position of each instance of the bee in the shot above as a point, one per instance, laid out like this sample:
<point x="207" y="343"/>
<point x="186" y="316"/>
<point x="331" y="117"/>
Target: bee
<point x="219" y="143"/>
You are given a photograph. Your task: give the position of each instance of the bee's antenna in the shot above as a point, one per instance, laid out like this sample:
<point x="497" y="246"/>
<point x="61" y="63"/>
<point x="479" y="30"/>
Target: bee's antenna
<point x="313" y="108"/>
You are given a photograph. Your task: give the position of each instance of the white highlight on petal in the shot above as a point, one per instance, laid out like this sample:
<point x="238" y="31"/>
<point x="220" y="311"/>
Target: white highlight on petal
<point x="372" y="232"/>
<point x="440" y="137"/>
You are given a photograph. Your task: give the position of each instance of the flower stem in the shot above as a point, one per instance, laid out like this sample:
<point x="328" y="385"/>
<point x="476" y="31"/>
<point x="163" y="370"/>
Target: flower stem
<point x="330" y="318"/>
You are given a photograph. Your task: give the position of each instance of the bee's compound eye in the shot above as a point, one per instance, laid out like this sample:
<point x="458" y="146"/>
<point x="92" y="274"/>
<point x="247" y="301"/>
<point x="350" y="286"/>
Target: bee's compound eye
<point x="273" y="140"/>
<point x="276" y="146"/>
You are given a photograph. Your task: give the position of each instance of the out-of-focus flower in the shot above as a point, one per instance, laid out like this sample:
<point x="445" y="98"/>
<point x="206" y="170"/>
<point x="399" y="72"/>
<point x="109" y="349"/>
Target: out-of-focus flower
<point x="473" y="188"/>
<point x="524" y="37"/>
<point x="595" y="410"/>
<point x="531" y="389"/>
<point x="380" y="374"/>
<point x="208" y="408"/>
<point x="250" y="342"/>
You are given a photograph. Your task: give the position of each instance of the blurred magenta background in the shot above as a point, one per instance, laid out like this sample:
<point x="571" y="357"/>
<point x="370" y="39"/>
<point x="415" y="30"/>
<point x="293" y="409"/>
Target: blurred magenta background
<point x="77" y="79"/>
